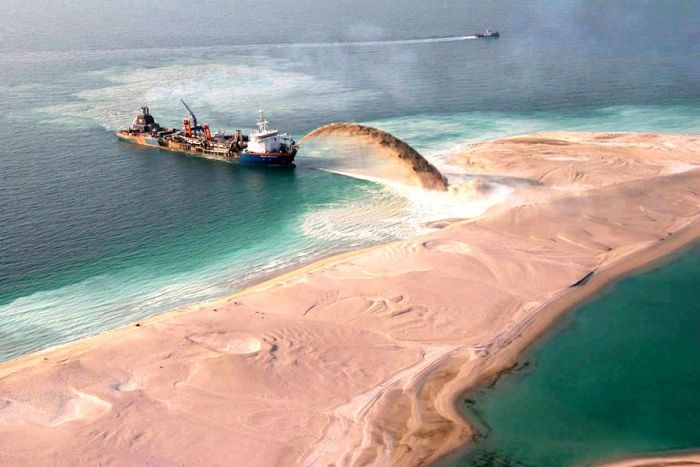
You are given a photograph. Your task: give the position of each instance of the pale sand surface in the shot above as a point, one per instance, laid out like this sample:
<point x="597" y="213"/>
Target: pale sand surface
<point x="359" y="359"/>
<point x="675" y="460"/>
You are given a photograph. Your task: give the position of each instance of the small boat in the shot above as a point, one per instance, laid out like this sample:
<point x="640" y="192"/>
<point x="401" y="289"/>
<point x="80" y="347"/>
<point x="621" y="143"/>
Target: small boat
<point x="488" y="33"/>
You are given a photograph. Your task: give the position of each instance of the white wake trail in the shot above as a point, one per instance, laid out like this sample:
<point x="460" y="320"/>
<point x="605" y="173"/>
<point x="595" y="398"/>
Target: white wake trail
<point x="379" y="42"/>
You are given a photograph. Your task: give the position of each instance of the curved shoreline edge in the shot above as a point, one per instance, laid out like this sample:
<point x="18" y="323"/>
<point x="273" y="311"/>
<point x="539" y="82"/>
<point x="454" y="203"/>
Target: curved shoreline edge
<point x="555" y="310"/>
<point x="360" y="358"/>
<point x="673" y="458"/>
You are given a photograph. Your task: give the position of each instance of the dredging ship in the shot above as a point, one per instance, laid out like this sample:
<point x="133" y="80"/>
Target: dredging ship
<point x="264" y="146"/>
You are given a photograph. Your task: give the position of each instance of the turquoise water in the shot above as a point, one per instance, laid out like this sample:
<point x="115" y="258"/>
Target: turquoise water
<point x="618" y="376"/>
<point x="95" y="233"/>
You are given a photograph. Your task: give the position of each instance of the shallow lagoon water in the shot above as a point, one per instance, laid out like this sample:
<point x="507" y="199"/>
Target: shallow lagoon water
<point x="617" y="377"/>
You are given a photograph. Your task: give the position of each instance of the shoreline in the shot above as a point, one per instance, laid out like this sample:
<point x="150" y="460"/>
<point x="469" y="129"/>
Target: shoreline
<point x="291" y="362"/>
<point x="674" y="457"/>
<point x="269" y="280"/>
<point x="553" y="311"/>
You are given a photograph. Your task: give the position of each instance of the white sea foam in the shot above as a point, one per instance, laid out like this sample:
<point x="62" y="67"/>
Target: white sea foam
<point x="379" y="216"/>
<point x="397" y="211"/>
<point x="235" y="91"/>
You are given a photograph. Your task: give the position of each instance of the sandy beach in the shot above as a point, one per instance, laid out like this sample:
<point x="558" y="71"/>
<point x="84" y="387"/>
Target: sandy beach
<point x="359" y="359"/>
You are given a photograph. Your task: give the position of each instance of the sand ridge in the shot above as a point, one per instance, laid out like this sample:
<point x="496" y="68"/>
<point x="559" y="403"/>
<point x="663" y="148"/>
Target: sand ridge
<point x="359" y="359"/>
<point x="686" y="459"/>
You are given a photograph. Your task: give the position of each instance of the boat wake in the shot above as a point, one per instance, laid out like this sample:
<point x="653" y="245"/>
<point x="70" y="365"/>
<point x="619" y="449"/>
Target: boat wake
<point x="33" y="56"/>
<point x="427" y="40"/>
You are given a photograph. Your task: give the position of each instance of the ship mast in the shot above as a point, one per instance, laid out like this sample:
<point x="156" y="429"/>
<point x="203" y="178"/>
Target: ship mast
<point x="262" y="123"/>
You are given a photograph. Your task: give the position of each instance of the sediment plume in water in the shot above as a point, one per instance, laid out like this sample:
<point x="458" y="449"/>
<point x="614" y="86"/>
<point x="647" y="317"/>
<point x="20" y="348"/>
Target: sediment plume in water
<point x="427" y="175"/>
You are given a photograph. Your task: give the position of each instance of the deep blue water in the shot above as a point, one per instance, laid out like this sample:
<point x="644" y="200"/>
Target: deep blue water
<point x="95" y="233"/>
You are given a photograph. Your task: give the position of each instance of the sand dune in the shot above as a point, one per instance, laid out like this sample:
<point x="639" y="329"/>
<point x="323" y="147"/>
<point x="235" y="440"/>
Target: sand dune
<point x="358" y="359"/>
<point x="576" y="161"/>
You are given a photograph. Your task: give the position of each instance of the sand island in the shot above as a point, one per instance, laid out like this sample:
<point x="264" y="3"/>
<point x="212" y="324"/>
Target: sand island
<point x="360" y="358"/>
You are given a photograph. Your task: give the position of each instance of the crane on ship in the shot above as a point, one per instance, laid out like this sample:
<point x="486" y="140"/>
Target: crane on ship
<point x="194" y="117"/>
<point x="193" y="127"/>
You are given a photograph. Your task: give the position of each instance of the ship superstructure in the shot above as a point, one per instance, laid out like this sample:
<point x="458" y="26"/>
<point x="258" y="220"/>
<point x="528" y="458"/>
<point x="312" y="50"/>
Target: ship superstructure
<point x="268" y="145"/>
<point x="488" y="34"/>
<point x="264" y="147"/>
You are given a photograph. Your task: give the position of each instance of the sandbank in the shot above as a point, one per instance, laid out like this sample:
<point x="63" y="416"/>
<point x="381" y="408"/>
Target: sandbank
<point x="360" y="358"/>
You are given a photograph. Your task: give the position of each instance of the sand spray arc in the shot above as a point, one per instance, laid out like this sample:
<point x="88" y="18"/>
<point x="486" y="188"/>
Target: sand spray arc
<point x="427" y="176"/>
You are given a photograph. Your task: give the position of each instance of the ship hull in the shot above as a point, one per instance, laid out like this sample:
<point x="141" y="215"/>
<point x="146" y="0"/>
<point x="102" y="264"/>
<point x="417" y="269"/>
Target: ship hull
<point x="271" y="159"/>
<point x="247" y="158"/>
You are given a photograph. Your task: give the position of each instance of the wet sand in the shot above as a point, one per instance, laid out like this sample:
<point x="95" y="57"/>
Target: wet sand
<point x="360" y="358"/>
<point x="688" y="459"/>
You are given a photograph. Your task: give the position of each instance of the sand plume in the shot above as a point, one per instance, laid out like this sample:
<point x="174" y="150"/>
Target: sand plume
<point x="427" y="175"/>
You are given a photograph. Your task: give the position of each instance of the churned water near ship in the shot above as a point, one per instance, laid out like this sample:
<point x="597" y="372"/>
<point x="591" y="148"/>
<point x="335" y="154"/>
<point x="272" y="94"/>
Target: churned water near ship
<point x="95" y="233"/>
